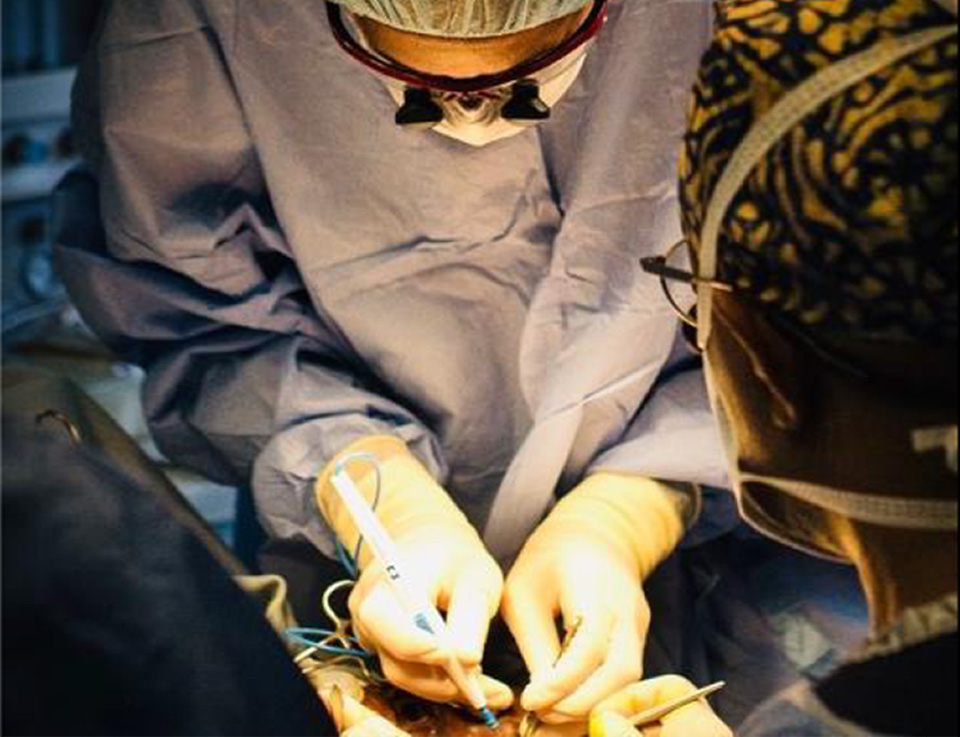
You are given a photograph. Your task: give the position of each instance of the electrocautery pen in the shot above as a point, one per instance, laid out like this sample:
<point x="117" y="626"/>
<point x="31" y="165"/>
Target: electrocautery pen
<point x="424" y="613"/>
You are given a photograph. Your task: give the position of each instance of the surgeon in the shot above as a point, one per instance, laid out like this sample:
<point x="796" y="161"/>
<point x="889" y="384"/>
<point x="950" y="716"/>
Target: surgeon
<point x="819" y="192"/>
<point x="410" y="231"/>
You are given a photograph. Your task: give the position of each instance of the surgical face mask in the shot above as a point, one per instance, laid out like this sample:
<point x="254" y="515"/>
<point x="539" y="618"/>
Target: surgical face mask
<point x="794" y="512"/>
<point x="476" y="119"/>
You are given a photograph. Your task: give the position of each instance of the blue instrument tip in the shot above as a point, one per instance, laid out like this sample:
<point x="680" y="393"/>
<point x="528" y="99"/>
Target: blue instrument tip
<point x="490" y="719"/>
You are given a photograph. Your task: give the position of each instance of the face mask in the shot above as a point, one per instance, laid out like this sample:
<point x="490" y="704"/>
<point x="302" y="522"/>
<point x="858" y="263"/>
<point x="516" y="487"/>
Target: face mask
<point x="475" y="120"/>
<point x="892" y="512"/>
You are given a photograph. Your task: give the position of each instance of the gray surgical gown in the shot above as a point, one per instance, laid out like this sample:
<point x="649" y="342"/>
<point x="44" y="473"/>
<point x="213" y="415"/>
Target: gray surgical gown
<point x="296" y="272"/>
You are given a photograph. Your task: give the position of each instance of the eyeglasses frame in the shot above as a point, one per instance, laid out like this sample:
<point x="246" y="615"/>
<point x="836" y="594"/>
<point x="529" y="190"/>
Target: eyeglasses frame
<point x="660" y="266"/>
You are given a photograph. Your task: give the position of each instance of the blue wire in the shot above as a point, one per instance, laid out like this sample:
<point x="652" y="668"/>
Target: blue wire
<point x="344" y="557"/>
<point x="350" y="564"/>
<point x="375" y="506"/>
<point x="306" y="632"/>
<point x="301" y="636"/>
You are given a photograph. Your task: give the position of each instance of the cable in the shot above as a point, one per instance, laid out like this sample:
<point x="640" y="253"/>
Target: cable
<point x="305" y="636"/>
<point x="337" y="648"/>
<point x="351" y="565"/>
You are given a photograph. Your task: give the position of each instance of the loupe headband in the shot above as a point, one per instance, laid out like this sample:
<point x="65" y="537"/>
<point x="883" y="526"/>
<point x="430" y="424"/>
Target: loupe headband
<point x="413" y="78"/>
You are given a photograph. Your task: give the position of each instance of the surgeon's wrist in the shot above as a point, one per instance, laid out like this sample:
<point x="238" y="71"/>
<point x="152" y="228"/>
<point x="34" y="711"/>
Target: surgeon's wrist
<point x="447" y="528"/>
<point x="639" y="517"/>
<point x="577" y="530"/>
<point x="409" y="500"/>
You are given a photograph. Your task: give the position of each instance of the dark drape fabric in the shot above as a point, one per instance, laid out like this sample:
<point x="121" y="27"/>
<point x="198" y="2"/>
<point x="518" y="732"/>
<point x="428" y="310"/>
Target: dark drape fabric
<point x="117" y="620"/>
<point x="873" y="693"/>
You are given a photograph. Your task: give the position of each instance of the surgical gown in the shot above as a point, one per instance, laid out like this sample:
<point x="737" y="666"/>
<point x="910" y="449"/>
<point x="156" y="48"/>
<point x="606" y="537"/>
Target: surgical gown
<point x="296" y="272"/>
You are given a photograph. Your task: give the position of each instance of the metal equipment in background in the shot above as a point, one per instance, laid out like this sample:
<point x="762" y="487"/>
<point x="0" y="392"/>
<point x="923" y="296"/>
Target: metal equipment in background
<point x="42" y="42"/>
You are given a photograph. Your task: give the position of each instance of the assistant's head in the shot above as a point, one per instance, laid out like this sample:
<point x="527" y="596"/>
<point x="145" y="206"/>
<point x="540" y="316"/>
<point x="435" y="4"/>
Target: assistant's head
<point x="475" y="71"/>
<point x="833" y="356"/>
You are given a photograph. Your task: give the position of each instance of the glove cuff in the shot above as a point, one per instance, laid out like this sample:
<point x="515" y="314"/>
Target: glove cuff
<point x="409" y="498"/>
<point x="637" y="515"/>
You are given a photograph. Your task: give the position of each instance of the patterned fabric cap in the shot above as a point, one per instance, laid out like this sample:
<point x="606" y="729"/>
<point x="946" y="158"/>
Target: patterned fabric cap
<point x="850" y="223"/>
<point x="463" y="18"/>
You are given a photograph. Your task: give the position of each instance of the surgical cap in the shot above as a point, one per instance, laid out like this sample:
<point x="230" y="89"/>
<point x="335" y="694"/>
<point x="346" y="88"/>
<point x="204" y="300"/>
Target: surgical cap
<point x="463" y="18"/>
<point x="849" y="225"/>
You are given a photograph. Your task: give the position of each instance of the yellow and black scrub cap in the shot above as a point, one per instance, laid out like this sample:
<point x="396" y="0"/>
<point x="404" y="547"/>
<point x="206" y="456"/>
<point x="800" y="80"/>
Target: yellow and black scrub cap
<point x="464" y="18"/>
<point x="848" y="224"/>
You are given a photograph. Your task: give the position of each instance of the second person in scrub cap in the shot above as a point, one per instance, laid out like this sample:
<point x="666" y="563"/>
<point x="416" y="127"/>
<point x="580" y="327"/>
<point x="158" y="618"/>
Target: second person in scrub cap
<point x="411" y="229"/>
<point x="819" y="184"/>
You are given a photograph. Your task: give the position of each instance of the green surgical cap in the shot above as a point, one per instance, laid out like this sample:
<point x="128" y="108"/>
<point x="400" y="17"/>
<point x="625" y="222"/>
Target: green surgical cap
<point x="463" y="18"/>
<point x="849" y="225"/>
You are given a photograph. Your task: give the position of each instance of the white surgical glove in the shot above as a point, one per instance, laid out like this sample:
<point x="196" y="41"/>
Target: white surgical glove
<point x="587" y="563"/>
<point x="440" y="547"/>
<point x="693" y="720"/>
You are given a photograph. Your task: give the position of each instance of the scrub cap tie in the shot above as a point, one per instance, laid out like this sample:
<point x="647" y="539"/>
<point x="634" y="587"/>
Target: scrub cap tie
<point x="463" y="18"/>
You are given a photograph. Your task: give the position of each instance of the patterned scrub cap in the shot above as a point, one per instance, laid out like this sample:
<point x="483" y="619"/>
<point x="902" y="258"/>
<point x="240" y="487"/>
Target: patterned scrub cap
<point x="849" y="225"/>
<point x="463" y="18"/>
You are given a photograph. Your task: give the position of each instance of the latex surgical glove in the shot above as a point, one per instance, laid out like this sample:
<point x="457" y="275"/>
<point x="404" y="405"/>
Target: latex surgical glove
<point x="695" y="720"/>
<point x="352" y="718"/>
<point x="587" y="564"/>
<point x="439" y="546"/>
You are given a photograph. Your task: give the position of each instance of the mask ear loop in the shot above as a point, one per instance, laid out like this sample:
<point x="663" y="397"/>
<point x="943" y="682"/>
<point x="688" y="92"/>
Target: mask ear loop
<point x="793" y="109"/>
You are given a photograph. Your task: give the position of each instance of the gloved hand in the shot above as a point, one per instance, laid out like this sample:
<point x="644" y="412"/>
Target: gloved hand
<point x="439" y="546"/>
<point x="587" y="562"/>
<point x="695" y="720"/>
<point x="352" y="718"/>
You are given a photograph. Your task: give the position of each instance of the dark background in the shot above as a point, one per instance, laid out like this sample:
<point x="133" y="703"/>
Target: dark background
<point x="43" y="41"/>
